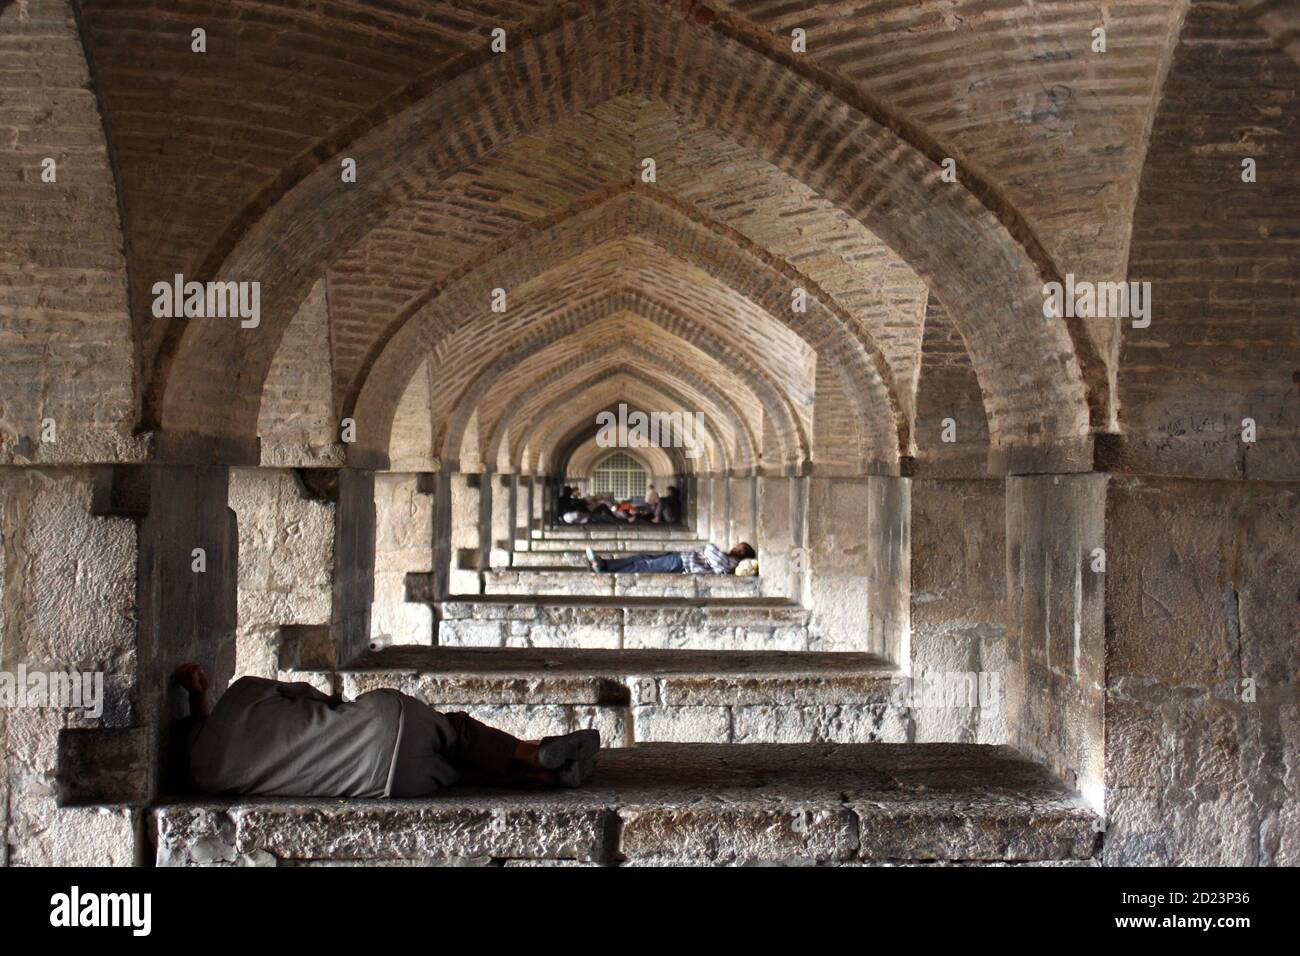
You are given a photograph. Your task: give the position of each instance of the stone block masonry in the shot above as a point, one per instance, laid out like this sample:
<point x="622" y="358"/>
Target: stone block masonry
<point x="785" y="805"/>
<point x="67" y="603"/>
<point x="834" y="259"/>
<point x="1202" y="685"/>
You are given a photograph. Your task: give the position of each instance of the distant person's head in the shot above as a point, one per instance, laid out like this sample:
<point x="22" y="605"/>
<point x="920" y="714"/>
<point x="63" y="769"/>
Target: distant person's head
<point x="566" y="491"/>
<point x="742" y="551"/>
<point x="672" y="491"/>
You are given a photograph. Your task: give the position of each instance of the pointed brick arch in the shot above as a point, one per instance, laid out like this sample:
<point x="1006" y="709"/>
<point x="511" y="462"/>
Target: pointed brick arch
<point x="574" y="413"/>
<point x="558" y="295"/>
<point x="582" y="459"/>
<point x="545" y="269"/>
<point x="579" y="451"/>
<point x="575" y="409"/>
<point x="1032" y="369"/>
<point x="723" y="253"/>
<point x="521" y="401"/>
<point x="590" y="375"/>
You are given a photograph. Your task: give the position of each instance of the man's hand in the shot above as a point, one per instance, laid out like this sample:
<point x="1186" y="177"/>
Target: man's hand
<point x="192" y="677"/>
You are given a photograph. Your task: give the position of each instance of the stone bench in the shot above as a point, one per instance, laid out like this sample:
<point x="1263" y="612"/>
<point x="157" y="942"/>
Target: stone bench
<point x="577" y="581"/>
<point x="645" y="695"/>
<point x="677" y="804"/>
<point x="615" y="545"/>
<point x="563" y="557"/>
<point x="754" y="624"/>
<point x="605" y="532"/>
<point x="548" y="559"/>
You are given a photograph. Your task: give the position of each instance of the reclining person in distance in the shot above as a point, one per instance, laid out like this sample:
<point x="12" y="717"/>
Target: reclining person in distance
<point x="708" y="560"/>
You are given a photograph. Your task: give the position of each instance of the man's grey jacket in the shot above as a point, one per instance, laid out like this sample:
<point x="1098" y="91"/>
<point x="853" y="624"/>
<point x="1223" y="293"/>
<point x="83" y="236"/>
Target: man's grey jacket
<point x="291" y="740"/>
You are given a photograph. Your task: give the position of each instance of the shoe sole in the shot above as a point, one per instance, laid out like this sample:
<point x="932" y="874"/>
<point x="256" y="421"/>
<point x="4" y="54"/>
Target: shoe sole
<point x="575" y="773"/>
<point x="555" y="752"/>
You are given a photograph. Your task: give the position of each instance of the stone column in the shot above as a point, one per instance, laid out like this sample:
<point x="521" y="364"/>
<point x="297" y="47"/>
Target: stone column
<point x="720" y="508"/>
<point x="404" y="525"/>
<point x="286" y="568"/>
<point x="542" y="505"/>
<point x="523" y="512"/>
<point x="354" y="563"/>
<point x="1056" y="640"/>
<point x="833" y="568"/>
<point x="466" y="532"/>
<point x="189" y="556"/>
<point x="691" y="487"/>
<point x="889" y="567"/>
<point x="440" y="577"/>
<point x="501" y="523"/>
<point x="958" y="603"/>
<point x="781" y="535"/>
<point x="744" y="510"/>
<point x="704" y="512"/>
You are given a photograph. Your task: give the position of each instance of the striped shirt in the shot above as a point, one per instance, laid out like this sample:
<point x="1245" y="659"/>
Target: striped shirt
<point x="712" y="560"/>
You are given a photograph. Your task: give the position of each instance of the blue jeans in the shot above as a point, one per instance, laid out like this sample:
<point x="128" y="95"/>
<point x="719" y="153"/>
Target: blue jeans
<point x="670" y="563"/>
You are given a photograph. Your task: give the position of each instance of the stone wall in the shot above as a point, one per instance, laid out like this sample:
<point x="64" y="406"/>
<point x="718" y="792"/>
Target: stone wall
<point x="834" y="566"/>
<point x="959" y="613"/>
<point x="286" y="549"/>
<point x="466" y="538"/>
<point x="889" y="567"/>
<point x="780" y="537"/>
<point x="67" y="603"/>
<point x="1055" y="636"/>
<point x="1202" y="673"/>
<point x="403" y="544"/>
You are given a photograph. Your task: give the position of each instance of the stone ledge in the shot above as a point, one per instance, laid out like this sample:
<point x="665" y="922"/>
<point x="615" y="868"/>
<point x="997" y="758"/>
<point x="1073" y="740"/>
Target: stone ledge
<point x="607" y="532"/>
<point x="527" y="606"/>
<point x="679" y="804"/>
<point x="646" y="695"/>
<point x="574" y="621"/>
<point x="576" y="580"/>
<point x="614" y="545"/>
<point x="445" y="675"/>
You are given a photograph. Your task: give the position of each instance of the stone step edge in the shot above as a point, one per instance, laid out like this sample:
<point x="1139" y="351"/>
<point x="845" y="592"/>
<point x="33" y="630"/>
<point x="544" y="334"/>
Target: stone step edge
<point x="523" y="607"/>
<point x="419" y="588"/>
<point x="612" y="531"/>
<point x="629" y="688"/>
<point x="571" y="569"/>
<point x="613" y="832"/>
<point x="611" y="546"/>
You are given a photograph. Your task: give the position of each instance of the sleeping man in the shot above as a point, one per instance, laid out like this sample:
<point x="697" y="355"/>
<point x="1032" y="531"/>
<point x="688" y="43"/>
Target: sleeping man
<point x="272" y="738"/>
<point x="708" y="560"/>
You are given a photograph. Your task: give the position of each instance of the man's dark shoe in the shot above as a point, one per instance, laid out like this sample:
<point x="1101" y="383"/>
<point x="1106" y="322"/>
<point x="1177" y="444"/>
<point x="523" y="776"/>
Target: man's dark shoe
<point x="554" y="752"/>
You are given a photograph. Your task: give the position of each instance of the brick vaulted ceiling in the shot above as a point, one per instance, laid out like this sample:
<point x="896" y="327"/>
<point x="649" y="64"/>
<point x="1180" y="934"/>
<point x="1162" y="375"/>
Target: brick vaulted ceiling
<point x="227" y="164"/>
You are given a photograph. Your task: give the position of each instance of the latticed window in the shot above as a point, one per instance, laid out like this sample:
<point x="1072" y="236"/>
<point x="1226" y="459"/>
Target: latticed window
<point x="620" y="476"/>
